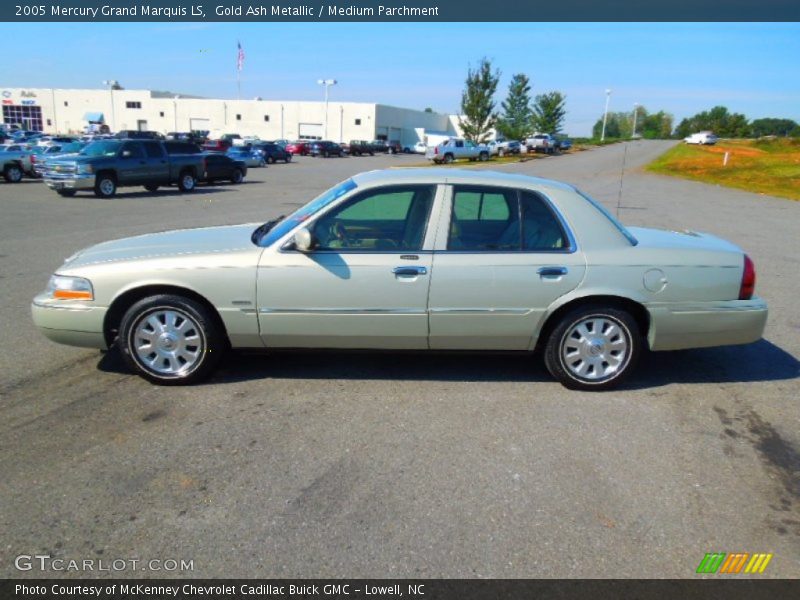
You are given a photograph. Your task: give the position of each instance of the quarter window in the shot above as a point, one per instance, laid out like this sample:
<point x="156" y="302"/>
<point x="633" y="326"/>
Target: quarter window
<point x="387" y="219"/>
<point x="134" y="150"/>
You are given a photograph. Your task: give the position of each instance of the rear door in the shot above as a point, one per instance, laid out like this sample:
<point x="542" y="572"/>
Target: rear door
<point x="157" y="163"/>
<point x="502" y="257"/>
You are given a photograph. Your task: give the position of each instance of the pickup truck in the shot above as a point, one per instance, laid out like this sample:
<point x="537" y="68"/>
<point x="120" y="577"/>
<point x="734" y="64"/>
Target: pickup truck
<point x="542" y="142"/>
<point x="13" y="164"/>
<point x="107" y="165"/>
<point x="359" y="147"/>
<point x="456" y="148"/>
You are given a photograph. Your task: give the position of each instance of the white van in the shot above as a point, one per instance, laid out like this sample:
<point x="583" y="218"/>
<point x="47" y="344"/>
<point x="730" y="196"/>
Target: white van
<point x="702" y="138"/>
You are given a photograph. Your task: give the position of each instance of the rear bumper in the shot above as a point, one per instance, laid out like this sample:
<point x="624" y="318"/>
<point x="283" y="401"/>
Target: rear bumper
<point x="70" y="323"/>
<point x="705" y="324"/>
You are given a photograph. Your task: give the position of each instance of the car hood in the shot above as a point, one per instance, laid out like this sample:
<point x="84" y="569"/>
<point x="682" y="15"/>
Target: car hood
<point x="658" y="238"/>
<point x="169" y="244"/>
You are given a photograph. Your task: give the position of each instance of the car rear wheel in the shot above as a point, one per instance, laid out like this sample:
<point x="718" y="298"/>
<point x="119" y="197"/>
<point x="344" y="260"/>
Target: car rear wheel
<point x="483" y="156"/>
<point x="187" y="182"/>
<point x="325" y="154"/>
<point x="237" y="176"/>
<point x="272" y="160"/>
<point x="593" y="348"/>
<point x="448" y="158"/>
<point x="171" y="340"/>
<point x="105" y="186"/>
<point x="12" y="174"/>
<point x="288" y="158"/>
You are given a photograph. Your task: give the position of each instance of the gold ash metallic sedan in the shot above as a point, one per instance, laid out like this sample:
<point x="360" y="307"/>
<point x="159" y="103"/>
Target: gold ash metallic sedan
<point x="411" y="259"/>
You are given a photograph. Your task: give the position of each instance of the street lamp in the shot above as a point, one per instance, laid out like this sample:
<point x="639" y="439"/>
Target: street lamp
<point x="112" y="83"/>
<point x="635" y="113"/>
<point x="326" y="83"/>
<point x="175" y="111"/>
<point x="605" y="116"/>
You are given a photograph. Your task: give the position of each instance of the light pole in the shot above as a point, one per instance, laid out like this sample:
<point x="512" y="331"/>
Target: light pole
<point x="112" y="83"/>
<point x="605" y="116"/>
<point x="635" y="113"/>
<point x="282" y="135"/>
<point x="326" y="83"/>
<point x="175" y="111"/>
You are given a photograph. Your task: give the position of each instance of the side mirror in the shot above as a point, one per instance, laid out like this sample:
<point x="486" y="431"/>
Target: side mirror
<point x="303" y="240"/>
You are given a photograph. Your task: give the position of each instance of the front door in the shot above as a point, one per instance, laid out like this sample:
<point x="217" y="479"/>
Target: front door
<point x="365" y="284"/>
<point x="505" y="259"/>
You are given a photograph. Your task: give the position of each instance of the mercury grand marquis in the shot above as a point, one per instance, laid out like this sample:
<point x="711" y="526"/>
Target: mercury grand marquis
<point x="411" y="259"/>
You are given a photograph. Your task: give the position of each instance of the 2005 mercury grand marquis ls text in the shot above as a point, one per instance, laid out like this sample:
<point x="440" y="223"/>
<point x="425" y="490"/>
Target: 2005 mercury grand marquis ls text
<point x="413" y="259"/>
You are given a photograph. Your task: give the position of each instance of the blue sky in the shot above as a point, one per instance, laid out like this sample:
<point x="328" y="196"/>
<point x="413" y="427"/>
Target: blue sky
<point x="679" y="67"/>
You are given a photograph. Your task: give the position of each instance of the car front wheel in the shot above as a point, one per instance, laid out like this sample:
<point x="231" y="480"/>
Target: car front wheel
<point x="237" y="176"/>
<point x="187" y="182"/>
<point x="593" y="348"/>
<point x="171" y="340"/>
<point x="12" y="174"/>
<point x="105" y="186"/>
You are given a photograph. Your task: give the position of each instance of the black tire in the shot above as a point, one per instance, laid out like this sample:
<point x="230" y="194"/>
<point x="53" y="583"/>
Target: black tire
<point x="483" y="156"/>
<point x="272" y="160"/>
<point x="187" y="182"/>
<point x="13" y="173"/>
<point x="66" y="193"/>
<point x="151" y="187"/>
<point x="448" y="158"/>
<point x="211" y="342"/>
<point x="105" y="185"/>
<point x="288" y="159"/>
<point x="325" y="154"/>
<point x="237" y="176"/>
<point x="562" y="339"/>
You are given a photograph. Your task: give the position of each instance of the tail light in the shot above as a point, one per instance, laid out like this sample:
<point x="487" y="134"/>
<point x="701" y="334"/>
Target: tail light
<point x="436" y="150"/>
<point x="748" y="279"/>
<point x="33" y="158"/>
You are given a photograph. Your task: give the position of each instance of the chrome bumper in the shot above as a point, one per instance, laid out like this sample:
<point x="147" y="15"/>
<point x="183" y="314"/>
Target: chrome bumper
<point x="69" y="182"/>
<point x="705" y="324"/>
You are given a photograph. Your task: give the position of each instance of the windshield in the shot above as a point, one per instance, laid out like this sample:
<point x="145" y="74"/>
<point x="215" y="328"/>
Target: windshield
<point x="101" y="149"/>
<point x="304" y="212"/>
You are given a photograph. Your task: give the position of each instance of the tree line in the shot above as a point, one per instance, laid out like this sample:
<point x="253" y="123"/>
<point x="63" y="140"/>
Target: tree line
<point x="521" y="116"/>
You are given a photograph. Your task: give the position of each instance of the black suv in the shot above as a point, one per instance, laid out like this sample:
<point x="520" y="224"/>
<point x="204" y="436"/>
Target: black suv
<point x="326" y="149"/>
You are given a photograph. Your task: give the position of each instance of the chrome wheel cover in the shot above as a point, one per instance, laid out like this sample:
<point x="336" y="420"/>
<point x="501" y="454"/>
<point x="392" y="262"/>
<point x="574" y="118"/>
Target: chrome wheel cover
<point x="168" y="342"/>
<point x="596" y="348"/>
<point x="15" y="174"/>
<point x="107" y="187"/>
<point x="188" y="182"/>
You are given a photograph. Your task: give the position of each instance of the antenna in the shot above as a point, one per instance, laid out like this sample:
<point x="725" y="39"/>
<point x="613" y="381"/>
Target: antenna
<point x="622" y="178"/>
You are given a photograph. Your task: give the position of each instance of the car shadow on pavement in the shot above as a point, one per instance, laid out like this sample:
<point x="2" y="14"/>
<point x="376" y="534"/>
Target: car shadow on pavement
<point x="761" y="361"/>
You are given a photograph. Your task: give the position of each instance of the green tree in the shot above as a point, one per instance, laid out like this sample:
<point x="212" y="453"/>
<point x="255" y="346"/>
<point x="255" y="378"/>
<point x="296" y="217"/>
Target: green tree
<point x="516" y="120"/>
<point x="648" y="125"/>
<point x="719" y="120"/>
<point x="549" y="111"/>
<point x="779" y="127"/>
<point x="477" y="102"/>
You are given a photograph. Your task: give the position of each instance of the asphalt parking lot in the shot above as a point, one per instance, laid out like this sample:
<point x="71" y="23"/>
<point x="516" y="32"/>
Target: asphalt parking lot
<point x="373" y="465"/>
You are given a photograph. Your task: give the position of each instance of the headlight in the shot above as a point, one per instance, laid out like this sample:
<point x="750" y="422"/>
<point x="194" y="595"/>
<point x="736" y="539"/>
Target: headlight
<point x="85" y="169"/>
<point x="62" y="287"/>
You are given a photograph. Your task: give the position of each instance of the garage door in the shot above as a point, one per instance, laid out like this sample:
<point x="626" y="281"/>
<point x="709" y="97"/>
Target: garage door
<point x="199" y="124"/>
<point x="309" y="131"/>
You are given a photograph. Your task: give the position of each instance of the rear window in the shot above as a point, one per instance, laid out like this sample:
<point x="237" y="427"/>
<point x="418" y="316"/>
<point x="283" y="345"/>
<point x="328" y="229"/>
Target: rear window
<point x="181" y="148"/>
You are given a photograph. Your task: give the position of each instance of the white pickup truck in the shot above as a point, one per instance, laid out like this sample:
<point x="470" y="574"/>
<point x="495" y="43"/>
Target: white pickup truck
<point x="542" y="142"/>
<point x="456" y="148"/>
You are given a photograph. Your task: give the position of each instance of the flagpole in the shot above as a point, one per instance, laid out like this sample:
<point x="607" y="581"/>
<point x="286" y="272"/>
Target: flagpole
<point x="238" y="84"/>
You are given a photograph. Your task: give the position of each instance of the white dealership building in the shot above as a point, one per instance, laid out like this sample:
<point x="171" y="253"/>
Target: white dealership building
<point x="73" y="110"/>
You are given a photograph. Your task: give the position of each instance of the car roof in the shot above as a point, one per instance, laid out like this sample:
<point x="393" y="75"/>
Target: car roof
<point x="462" y="176"/>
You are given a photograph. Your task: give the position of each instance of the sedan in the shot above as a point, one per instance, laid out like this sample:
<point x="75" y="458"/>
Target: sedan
<point x="222" y="167"/>
<point x="251" y="158"/>
<point x="411" y="259"/>
<point x="299" y="147"/>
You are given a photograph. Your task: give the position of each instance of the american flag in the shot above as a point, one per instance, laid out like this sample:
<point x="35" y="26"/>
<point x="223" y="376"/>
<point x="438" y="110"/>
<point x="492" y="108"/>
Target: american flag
<point x="239" y="57"/>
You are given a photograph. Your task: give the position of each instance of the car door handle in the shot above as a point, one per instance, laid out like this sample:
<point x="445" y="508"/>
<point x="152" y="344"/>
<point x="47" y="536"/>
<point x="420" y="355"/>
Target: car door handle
<point x="552" y="271"/>
<point x="409" y="271"/>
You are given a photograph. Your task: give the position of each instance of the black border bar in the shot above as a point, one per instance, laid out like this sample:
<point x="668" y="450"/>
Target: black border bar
<point x="385" y="589"/>
<point x="370" y="11"/>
